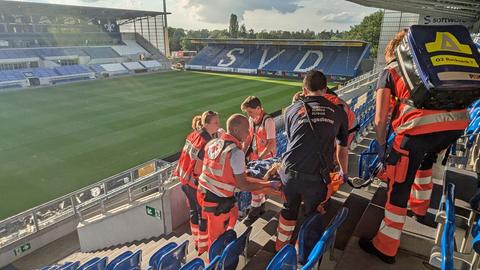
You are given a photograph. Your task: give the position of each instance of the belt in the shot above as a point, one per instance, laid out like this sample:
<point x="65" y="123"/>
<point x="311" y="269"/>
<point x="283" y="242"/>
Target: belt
<point x="307" y="176"/>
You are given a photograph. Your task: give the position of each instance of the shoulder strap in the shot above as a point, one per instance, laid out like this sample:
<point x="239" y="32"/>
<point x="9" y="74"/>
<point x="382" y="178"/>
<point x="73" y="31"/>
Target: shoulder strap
<point x="324" y="172"/>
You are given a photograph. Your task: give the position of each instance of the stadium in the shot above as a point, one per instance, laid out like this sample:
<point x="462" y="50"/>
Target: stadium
<point x="94" y="119"/>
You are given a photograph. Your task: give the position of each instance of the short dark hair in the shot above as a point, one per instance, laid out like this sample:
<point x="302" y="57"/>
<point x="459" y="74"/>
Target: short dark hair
<point x="315" y="81"/>
<point x="251" y="102"/>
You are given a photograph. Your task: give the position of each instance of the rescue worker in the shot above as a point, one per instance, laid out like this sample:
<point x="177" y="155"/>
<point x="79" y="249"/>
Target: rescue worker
<point x="224" y="172"/>
<point x="259" y="145"/>
<point x="205" y="127"/>
<point x="419" y="135"/>
<point x="312" y="124"/>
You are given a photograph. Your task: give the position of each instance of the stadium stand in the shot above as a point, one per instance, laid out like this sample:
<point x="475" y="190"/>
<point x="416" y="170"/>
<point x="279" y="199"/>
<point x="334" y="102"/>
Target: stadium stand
<point x="134" y="66"/>
<point x="339" y="60"/>
<point x="89" y="37"/>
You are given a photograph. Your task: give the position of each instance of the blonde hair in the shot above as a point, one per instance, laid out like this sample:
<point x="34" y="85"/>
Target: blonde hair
<point x="393" y="44"/>
<point x="199" y="121"/>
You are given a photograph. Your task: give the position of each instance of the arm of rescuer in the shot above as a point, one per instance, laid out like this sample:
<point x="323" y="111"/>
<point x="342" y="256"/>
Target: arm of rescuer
<point x="244" y="182"/>
<point x="342" y="143"/>
<point x="271" y="140"/>
<point x="382" y="108"/>
<point x="197" y="169"/>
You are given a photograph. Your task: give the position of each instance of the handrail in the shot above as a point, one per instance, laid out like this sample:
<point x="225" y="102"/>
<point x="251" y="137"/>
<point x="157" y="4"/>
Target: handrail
<point x="448" y="235"/>
<point x="45" y="215"/>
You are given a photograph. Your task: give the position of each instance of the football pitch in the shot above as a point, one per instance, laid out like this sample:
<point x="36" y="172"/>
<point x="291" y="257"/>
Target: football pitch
<point x="55" y="140"/>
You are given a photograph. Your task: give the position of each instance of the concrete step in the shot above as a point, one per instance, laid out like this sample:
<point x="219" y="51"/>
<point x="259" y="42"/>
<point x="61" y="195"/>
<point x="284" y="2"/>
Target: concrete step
<point x="356" y="205"/>
<point x="355" y="258"/>
<point x="416" y="238"/>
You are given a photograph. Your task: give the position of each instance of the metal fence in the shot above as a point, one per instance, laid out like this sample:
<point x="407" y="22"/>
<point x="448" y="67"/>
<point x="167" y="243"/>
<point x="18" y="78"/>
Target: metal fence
<point x="115" y="191"/>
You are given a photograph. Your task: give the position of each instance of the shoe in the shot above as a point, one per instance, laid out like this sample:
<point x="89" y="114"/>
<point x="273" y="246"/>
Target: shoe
<point x="368" y="247"/>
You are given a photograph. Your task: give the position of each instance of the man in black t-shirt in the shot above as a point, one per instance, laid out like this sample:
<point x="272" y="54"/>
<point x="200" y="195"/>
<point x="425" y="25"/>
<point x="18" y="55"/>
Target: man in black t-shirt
<point x="312" y="124"/>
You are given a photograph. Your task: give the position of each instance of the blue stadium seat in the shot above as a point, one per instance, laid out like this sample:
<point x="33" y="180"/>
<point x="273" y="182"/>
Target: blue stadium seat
<point x="118" y="259"/>
<point x="131" y="262"/>
<point x="327" y="240"/>
<point x="342" y="61"/>
<point x="157" y="256"/>
<point x="285" y="259"/>
<point x="98" y="265"/>
<point x="213" y="264"/>
<point x="88" y="263"/>
<point x="221" y="243"/>
<point x="309" y="234"/>
<point x="195" y="264"/>
<point x="448" y="235"/>
<point x="67" y="266"/>
<point x="231" y="255"/>
<point x="175" y="258"/>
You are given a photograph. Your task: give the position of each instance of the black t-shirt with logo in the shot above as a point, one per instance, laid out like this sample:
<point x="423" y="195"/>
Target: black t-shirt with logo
<point x="304" y="148"/>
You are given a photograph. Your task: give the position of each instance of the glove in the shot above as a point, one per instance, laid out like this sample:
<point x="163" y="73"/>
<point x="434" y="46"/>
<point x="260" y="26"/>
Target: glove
<point x="343" y="176"/>
<point x="380" y="149"/>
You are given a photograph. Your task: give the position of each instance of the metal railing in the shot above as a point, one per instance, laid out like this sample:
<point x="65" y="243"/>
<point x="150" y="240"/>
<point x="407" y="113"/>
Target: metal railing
<point x="109" y="193"/>
<point x="360" y="80"/>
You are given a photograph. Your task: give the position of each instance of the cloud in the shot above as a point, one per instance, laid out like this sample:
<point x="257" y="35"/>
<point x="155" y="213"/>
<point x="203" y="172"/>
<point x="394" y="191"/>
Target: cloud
<point x="341" y="17"/>
<point x="218" y="11"/>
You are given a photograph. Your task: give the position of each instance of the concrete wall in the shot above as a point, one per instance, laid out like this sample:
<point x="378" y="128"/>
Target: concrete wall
<point x="133" y="223"/>
<point x="36" y="241"/>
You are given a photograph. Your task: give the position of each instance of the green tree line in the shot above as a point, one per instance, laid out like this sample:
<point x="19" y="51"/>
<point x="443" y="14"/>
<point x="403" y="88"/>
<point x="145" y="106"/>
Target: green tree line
<point x="367" y="30"/>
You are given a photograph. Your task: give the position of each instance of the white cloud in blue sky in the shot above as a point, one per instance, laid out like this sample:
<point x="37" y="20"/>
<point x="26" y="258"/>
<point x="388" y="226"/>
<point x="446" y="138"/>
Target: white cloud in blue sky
<point x="289" y="15"/>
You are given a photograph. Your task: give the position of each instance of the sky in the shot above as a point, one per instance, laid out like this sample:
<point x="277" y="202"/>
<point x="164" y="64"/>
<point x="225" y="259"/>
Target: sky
<point x="289" y="15"/>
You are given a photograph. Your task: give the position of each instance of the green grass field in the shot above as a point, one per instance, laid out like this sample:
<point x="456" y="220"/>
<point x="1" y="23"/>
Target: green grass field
<point x="58" y="139"/>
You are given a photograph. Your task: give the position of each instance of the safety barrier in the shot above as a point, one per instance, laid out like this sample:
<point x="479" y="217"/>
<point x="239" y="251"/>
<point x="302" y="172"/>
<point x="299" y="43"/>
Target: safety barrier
<point x="119" y="189"/>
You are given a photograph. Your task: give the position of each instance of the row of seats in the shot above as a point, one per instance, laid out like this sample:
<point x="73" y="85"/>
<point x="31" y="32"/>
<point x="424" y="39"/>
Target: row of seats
<point x="341" y="61"/>
<point x="22" y="74"/>
<point x="93" y="52"/>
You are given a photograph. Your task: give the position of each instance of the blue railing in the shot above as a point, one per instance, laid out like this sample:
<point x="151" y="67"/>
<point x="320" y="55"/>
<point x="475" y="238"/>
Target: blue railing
<point x="448" y="235"/>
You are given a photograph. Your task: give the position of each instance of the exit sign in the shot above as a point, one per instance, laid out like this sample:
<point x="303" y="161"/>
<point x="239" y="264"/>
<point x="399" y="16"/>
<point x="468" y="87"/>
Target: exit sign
<point x="153" y="212"/>
<point x="22" y="249"/>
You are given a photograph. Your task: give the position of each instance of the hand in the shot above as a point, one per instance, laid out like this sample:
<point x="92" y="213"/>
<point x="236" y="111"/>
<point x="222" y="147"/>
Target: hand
<point x="272" y="171"/>
<point x="343" y="176"/>
<point x="380" y="149"/>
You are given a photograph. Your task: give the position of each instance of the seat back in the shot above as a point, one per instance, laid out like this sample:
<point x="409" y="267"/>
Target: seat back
<point x="285" y="259"/>
<point x="174" y="259"/>
<point x="310" y="232"/>
<point x="195" y="264"/>
<point x="213" y="264"/>
<point x="231" y="255"/>
<point x="98" y="265"/>
<point x="155" y="258"/>
<point x="131" y="262"/>
<point x="88" y="263"/>
<point x="118" y="259"/>
<point x="327" y="240"/>
<point x="67" y="266"/>
<point x="448" y="235"/>
<point x="221" y="243"/>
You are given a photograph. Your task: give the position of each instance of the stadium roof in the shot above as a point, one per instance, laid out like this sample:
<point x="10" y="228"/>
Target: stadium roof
<point x="46" y="9"/>
<point x="280" y="42"/>
<point x="454" y="8"/>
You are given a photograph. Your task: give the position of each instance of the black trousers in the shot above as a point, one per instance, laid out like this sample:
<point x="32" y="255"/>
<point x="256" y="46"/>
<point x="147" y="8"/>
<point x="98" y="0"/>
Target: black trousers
<point x="306" y="188"/>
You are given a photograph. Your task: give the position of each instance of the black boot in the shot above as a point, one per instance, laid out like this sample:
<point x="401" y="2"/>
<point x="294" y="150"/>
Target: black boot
<point x="368" y="247"/>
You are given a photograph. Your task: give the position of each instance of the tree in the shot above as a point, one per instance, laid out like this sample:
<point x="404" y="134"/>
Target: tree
<point x="233" y="29"/>
<point x="176" y="35"/>
<point x="368" y="30"/>
<point x="243" y="31"/>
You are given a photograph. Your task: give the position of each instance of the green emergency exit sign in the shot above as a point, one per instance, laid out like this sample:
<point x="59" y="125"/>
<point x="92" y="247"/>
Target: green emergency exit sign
<point x="22" y="249"/>
<point x="153" y="212"/>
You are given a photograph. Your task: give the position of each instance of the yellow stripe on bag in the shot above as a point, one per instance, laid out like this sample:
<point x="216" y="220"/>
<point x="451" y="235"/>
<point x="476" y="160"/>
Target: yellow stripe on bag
<point x="452" y="60"/>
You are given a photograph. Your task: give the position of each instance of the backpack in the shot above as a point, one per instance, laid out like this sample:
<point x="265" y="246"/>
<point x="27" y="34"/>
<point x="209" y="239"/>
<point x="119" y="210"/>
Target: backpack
<point x="440" y="66"/>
